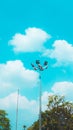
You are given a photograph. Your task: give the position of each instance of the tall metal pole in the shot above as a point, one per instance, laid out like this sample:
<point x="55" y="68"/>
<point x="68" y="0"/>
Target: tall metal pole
<point x="17" y="110"/>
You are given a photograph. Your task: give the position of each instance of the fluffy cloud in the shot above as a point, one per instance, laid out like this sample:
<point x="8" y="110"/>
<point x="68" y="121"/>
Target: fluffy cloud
<point x="14" y="75"/>
<point x="62" y="52"/>
<point x="64" y="88"/>
<point x="26" y="108"/>
<point x="45" y="96"/>
<point x="10" y="102"/>
<point x="31" y="41"/>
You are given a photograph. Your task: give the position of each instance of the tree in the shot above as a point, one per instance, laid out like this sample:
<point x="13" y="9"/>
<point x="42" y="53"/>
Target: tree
<point x="58" y="116"/>
<point x="4" y="121"/>
<point x="35" y="126"/>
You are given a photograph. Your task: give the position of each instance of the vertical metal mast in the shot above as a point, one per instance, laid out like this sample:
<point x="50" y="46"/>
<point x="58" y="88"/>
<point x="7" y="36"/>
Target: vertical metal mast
<point x="17" y="109"/>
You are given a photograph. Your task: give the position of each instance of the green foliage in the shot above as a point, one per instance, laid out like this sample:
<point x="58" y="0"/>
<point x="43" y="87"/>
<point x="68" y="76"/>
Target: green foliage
<point x="4" y="121"/>
<point x="58" y="116"/>
<point x="35" y="126"/>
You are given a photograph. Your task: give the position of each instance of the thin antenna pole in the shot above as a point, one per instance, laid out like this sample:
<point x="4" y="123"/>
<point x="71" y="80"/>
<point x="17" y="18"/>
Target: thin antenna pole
<point x="17" y="109"/>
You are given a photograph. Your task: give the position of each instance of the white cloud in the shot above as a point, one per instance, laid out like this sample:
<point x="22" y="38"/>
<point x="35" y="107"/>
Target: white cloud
<point x="10" y="102"/>
<point x="62" y="51"/>
<point x="32" y="41"/>
<point x="14" y="75"/>
<point x="64" y="88"/>
<point x="26" y="108"/>
<point x="45" y="96"/>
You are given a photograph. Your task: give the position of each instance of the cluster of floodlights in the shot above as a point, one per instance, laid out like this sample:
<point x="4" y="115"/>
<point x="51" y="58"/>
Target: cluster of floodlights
<point x="39" y="66"/>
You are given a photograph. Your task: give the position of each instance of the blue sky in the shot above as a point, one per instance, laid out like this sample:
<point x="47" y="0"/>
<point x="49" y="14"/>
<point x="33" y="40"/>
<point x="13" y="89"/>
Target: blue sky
<point x="31" y="30"/>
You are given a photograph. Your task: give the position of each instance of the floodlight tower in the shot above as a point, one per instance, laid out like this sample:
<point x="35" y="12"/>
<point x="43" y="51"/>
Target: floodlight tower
<point x="38" y="67"/>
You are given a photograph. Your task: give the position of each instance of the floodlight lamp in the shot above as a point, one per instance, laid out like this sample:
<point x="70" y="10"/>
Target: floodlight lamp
<point x="32" y="65"/>
<point x="46" y="67"/>
<point x="35" y="68"/>
<point x="37" y="61"/>
<point x="46" y="63"/>
<point x="41" y="68"/>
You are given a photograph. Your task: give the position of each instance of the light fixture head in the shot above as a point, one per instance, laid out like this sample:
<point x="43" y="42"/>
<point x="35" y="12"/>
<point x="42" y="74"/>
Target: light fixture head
<point x="37" y="61"/>
<point x="32" y="65"/>
<point x="45" y="63"/>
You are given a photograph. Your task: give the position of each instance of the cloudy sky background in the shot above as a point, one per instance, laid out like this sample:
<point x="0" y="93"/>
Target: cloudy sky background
<point x="31" y="30"/>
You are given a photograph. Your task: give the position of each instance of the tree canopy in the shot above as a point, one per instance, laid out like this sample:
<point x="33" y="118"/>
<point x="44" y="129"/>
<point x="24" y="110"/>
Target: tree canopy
<point x="4" y="121"/>
<point x="58" y="116"/>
